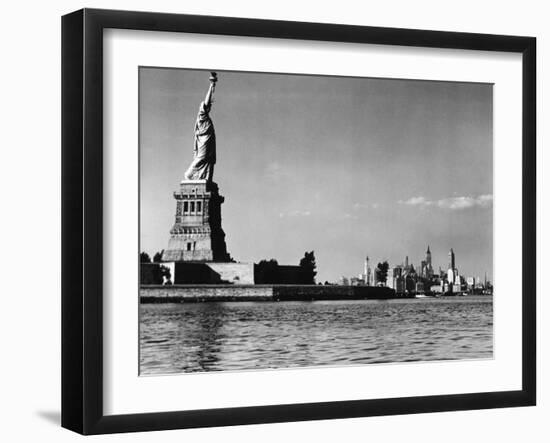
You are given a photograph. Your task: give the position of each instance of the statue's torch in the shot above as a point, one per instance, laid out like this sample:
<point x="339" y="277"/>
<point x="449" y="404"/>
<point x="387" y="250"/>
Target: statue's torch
<point x="210" y="94"/>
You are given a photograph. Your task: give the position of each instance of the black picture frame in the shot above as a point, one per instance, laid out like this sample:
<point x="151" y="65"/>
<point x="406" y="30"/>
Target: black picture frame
<point x="82" y="215"/>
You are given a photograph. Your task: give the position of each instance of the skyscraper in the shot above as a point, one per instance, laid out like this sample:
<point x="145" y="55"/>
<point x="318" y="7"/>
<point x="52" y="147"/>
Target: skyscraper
<point x="427" y="269"/>
<point x="367" y="272"/>
<point x="451" y="259"/>
<point x="452" y="274"/>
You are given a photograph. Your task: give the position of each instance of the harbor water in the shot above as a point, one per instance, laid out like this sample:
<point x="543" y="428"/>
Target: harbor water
<point x="234" y="336"/>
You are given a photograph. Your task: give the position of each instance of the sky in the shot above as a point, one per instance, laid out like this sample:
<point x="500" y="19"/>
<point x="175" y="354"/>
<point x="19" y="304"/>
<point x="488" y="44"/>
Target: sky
<point x="346" y="167"/>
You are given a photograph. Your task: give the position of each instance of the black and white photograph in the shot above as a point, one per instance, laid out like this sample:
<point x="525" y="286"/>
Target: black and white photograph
<point x="297" y="221"/>
<point x="275" y="222"/>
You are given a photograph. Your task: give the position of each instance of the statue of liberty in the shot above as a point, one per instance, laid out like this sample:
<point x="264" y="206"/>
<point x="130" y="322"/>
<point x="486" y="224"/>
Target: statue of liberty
<point x="204" y="150"/>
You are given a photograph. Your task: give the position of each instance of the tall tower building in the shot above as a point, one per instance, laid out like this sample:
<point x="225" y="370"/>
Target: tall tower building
<point x="452" y="274"/>
<point x="428" y="269"/>
<point x="368" y="272"/>
<point x="451" y="259"/>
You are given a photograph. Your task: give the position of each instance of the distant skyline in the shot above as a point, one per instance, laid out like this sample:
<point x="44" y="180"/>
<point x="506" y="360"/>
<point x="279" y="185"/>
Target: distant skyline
<point x="347" y="167"/>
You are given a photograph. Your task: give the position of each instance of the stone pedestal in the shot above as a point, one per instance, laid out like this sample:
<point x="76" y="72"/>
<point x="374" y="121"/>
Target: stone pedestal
<point x="197" y="234"/>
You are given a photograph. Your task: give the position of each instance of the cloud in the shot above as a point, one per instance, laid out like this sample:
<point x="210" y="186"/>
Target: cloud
<point x="416" y="201"/>
<point x="294" y="214"/>
<point x="451" y="203"/>
<point x="349" y="216"/>
<point x="358" y="206"/>
<point x="457" y="203"/>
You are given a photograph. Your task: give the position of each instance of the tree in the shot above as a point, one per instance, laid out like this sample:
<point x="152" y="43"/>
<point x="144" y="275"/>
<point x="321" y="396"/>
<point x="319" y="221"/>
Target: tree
<point x="154" y="274"/>
<point x="165" y="275"/>
<point x="308" y="265"/>
<point x="267" y="271"/>
<point x="157" y="258"/>
<point x="382" y="272"/>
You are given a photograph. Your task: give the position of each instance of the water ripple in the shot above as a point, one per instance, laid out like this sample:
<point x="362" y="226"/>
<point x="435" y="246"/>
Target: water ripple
<point x="238" y="336"/>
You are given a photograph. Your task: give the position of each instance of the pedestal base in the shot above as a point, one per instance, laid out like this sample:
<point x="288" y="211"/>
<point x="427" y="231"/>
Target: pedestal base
<point x="197" y="234"/>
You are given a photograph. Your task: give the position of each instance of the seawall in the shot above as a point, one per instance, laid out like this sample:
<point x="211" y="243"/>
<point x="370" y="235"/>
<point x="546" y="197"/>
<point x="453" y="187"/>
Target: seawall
<point x="204" y="293"/>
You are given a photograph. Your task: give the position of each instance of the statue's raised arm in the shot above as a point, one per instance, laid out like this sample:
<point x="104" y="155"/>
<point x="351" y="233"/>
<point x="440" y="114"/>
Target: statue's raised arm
<point x="209" y="99"/>
<point x="204" y="149"/>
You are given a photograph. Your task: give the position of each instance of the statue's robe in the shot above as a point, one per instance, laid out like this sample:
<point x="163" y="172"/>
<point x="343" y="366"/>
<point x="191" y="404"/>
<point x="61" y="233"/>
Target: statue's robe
<point x="204" y="159"/>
